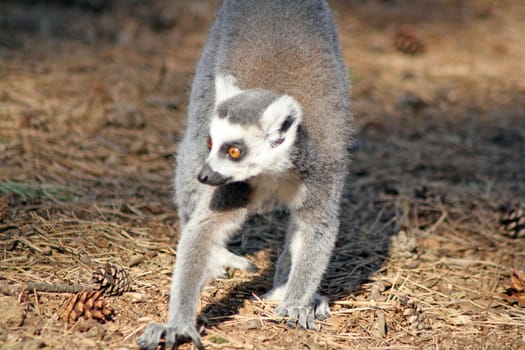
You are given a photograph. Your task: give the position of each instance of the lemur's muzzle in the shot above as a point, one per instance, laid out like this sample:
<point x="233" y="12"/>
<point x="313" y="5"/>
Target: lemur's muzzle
<point x="210" y="177"/>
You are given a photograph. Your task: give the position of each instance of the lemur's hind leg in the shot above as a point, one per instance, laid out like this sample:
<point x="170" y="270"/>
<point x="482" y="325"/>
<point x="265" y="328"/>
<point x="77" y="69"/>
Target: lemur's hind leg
<point x="282" y="272"/>
<point x="311" y="239"/>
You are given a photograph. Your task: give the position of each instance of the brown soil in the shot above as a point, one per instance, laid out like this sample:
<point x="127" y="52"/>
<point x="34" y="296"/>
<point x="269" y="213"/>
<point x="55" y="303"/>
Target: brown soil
<point x="92" y="101"/>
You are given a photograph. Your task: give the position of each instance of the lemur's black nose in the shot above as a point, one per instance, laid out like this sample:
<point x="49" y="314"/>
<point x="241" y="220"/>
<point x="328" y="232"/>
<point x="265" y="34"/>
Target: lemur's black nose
<point x="210" y="177"/>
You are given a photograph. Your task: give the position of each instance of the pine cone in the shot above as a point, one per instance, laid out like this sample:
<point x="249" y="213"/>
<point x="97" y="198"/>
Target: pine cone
<point x="512" y="221"/>
<point x="4" y="208"/>
<point x="111" y="280"/>
<point x="86" y="304"/>
<point x="407" y="41"/>
<point x="424" y="193"/>
<point x="515" y="292"/>
<point x="416" y="318"/>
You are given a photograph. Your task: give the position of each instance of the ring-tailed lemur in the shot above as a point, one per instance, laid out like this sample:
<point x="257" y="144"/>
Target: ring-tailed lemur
<point x="268" y="118"/>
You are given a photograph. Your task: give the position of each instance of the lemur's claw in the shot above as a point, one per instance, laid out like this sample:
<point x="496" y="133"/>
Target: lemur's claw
<point x="304" y="316"/>
<point x="299" y="316"/>
<point x="173" y="336"/>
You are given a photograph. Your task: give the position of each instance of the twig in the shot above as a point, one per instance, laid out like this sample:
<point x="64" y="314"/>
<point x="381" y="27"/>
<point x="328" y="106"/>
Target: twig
<point x="56" y="288"/>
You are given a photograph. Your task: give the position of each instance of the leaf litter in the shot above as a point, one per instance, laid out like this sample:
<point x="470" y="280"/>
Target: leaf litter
<point x="86" y="164"/>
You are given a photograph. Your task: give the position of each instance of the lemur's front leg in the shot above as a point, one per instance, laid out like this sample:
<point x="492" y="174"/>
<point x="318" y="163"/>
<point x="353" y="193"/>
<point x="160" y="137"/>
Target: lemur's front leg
<point x="194" y="265"/>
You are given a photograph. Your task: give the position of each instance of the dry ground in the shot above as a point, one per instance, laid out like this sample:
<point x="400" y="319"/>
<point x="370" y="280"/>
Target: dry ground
<point x="93" y="98"/>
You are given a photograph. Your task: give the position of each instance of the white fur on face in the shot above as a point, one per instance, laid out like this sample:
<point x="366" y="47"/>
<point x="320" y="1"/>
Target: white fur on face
<point x="223" y="132"/>
<point x="267" y="147"/>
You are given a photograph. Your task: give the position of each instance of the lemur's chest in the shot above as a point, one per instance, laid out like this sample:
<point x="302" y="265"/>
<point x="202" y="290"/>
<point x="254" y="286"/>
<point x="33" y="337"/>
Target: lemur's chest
<point x="269" y="192"/>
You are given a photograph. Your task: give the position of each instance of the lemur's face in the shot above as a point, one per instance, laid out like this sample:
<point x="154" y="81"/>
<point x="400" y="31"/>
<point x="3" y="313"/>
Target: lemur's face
<point x="250" y="134"/>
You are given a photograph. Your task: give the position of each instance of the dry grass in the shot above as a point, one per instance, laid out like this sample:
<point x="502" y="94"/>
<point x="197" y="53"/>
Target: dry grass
<point x="87" y="125"/>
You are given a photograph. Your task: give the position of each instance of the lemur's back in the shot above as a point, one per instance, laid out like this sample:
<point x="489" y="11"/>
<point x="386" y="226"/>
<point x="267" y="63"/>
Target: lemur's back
<point x="287" y="47"/>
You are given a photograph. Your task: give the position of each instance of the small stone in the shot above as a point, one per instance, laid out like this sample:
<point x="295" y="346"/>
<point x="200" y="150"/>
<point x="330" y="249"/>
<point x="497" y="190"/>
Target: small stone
<point x="12" y="312"/>
<point x="461" y="320"/>
<point x="4" y="208"/>
<point x="250" y="324"/>
<point x="135" y="297"/>
<point x="411" y="263"/>
<point x="407" y="41"/>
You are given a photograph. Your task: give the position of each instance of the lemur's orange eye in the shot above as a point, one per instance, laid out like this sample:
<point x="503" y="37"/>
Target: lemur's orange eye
<point x="208" y="142"/>
<point x="234" y="152"/>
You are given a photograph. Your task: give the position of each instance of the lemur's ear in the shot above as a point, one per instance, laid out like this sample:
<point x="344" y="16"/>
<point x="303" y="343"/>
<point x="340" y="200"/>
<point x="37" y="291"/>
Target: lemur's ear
<point x="280" y="121"/>
<point x="225" y="87"/>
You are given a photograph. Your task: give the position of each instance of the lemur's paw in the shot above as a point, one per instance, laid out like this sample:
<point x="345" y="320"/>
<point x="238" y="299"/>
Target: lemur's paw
<point x="218" y="272"/>
<point x="241" y="263"/>
<point x="304" y="316"/>
<point x="172" y="336"/>
<point x="223" y="259"/>
<point x="276" y="294"/>
<point x="237" y="263"/>
<point x="251" y="267"/>
<point x="321" y="307"/>
<point x="298" y="316"/>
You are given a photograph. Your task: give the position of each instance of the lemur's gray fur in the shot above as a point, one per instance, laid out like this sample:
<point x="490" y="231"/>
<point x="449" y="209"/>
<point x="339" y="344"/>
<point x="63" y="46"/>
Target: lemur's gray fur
<point x="268" y="119"/>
